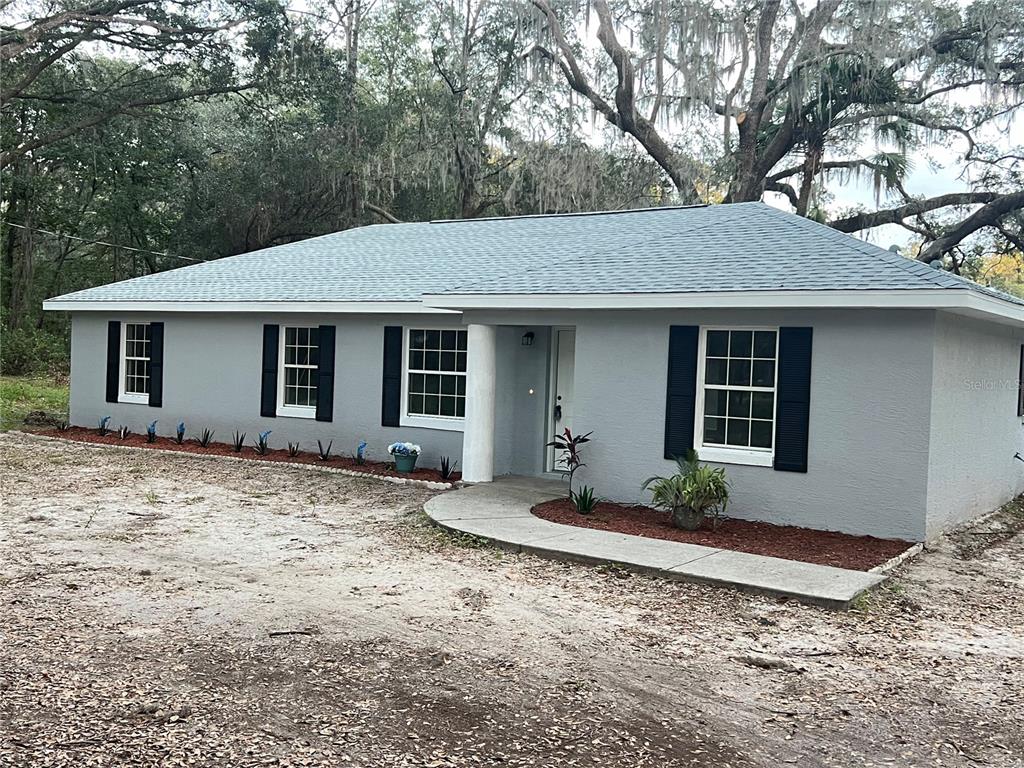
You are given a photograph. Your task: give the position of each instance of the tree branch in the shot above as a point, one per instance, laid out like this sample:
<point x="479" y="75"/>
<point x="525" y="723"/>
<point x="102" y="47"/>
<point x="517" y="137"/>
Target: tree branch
<point x="861" y="221"/>
<point x="986" y="216"/>
<point x="383" y="213"/>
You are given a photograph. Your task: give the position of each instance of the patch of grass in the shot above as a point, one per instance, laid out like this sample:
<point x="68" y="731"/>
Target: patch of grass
<point x="21" y="394"/>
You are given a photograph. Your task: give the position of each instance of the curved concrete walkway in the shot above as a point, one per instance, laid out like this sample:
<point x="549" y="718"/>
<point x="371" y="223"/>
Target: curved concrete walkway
<point x="500" y="513"/>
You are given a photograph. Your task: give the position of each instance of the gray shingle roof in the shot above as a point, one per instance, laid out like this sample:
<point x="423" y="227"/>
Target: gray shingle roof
<point x="740" y="247"/>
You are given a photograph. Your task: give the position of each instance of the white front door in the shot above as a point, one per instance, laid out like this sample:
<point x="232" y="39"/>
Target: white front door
<point x="562" y="384"/>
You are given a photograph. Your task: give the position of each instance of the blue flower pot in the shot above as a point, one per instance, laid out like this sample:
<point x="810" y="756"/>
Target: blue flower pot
<point x="405" y="463"/>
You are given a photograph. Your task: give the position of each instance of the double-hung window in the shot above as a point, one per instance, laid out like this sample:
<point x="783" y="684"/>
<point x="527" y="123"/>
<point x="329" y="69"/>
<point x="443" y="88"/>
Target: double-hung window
<point x="736" y="395"/>
<point x="435" y="377"/>
<point x="300" y="353"/>
<point x="135" y="363"/>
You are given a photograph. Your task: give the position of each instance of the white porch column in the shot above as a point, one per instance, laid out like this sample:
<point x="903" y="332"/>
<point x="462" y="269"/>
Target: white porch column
<point x="478" y="436"/>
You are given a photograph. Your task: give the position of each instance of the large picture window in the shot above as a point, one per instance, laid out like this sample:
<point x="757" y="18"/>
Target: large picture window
<point x="737" y="384"/>
<point x="436" y="373"/>
<point x="135" y="362"/>
<point x="299" y="360"/>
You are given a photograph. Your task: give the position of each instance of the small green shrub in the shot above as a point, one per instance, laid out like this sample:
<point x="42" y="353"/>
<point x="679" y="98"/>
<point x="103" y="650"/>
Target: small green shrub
<point x="103" y="427"/>
<point x="293" y="449"/>
<point x="584" y="500"/>
<point x="205" y="438"/>
<point x="691" y="494"/>
<point x="324" y="453"/>
<point x="238" y="441"/>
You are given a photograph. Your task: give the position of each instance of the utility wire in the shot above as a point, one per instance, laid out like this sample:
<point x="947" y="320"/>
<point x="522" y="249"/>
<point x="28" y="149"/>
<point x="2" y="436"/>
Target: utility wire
<point x="101" y="242"/>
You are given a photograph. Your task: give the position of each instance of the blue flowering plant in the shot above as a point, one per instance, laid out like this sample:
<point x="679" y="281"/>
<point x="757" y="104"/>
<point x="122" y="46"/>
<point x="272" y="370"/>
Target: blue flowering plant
<point x="404" y="449"/>
<point x="179" y="433"/>
<point x="151" y="432"/>
<point x="405" y="455"/>
<point x="361" y="452"/>
<point x="103" y="428"/>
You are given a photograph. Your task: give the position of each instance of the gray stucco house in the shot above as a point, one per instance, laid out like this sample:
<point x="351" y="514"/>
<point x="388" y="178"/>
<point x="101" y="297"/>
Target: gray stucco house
<point x="843" y="386"/>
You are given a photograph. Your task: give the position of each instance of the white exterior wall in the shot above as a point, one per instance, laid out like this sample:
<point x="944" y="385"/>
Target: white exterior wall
<point x="870" y="411"/>
<point x="212" y="365"/>
<point x="975" y="430"/>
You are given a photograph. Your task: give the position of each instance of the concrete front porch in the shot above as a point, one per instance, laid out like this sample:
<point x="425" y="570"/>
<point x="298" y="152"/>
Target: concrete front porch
<point x="500" y="512"/>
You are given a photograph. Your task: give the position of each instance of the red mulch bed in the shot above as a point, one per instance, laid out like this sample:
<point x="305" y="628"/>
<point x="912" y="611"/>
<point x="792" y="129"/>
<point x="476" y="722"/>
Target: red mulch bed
<point x="85" y="435"/>
<point x="859" y="553"/>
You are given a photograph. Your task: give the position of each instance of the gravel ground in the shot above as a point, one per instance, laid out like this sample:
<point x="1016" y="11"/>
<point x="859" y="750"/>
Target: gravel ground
<point x="143" y="596"/>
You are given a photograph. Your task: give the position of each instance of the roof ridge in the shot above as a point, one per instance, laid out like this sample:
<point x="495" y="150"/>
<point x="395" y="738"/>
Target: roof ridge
<point x="579" y="256"/>
<point x="568" y="214"/>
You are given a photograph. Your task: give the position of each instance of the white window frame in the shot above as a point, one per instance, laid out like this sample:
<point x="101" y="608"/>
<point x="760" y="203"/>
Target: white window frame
<point x="294" y="411"/>
<point x="757" y="457"/>
<point x="123" y="395"/>
<point x="448" y="423"/>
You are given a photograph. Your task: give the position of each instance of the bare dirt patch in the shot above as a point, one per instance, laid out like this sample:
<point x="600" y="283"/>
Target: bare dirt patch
<point x="859" y="553"/>
<point x="139" y="591"/>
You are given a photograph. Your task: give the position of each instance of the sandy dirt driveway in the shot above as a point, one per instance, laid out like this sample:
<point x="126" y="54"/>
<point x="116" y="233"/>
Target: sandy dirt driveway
<point x="164" y="610"/>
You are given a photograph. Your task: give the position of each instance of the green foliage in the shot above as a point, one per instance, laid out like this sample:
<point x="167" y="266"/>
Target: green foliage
<point x="584" y="500"/>
<point x="293" y="449"/>
<point x="238" y="441"/>
<point x="205" y="438"/>
<point x="696" y="488"/>
<point x="19" y="396"/>
<point x="32" y="352"/>
<point x="323" y="452"/>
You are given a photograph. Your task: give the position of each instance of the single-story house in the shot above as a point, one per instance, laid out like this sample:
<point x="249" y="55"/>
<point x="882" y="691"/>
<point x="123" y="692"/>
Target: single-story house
<point x="843" y="386"/>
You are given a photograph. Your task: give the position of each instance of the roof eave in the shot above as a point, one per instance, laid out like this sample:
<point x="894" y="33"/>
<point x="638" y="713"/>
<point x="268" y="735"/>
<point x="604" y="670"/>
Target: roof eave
<point x="263" y="307"/>
<point x="959" y="301"/>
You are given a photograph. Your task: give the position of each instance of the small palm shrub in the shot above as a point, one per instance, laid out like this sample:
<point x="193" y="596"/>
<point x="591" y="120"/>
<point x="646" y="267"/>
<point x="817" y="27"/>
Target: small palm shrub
<point x="179" y="433"/>
<point x="293" y="449"/>
<point x="205" y="438"/>
<point x="238" y="441"/>
<point x="693" y="493"/>
<point x="324" y="453"/>
<point x="103" y="428"/>
<point x="123" y="432"/>
<point x="151" y="432"/>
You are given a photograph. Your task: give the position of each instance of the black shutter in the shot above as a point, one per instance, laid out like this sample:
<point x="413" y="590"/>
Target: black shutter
<point x="391" y="392"/>
<point x="268" y="391"/>
<point x="1020" y="383"/>
<point x="681" y="395"/>
<point x="793" y="409"/>
<point x="113" y="359"/>
<point x="325" y="374"/>
<point x="156" y="365"/>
